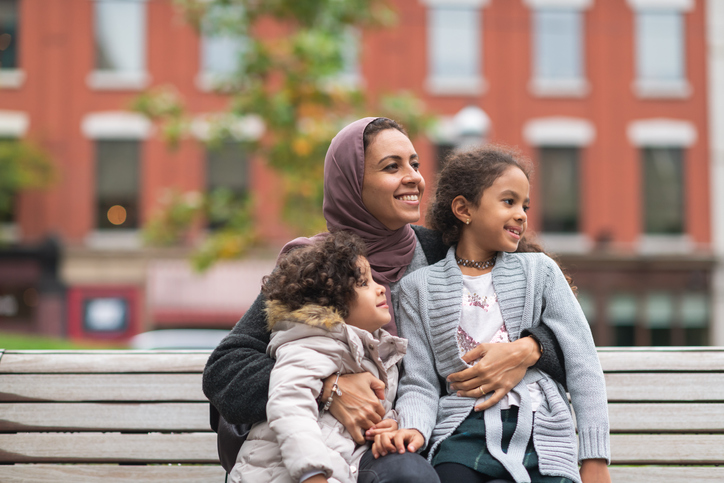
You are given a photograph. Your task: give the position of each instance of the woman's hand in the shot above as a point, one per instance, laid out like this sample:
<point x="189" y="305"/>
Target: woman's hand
<point x="379" y="428"/>
<point x="358" y="408"/>
<point x="595" y="471"/>
<point x="500" y="368"/>
<point x="397" y="442"/>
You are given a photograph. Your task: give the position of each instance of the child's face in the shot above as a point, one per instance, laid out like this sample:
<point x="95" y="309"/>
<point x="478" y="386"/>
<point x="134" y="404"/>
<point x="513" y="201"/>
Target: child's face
<point x="499" y="221"/>
<point x="368" y="310"/>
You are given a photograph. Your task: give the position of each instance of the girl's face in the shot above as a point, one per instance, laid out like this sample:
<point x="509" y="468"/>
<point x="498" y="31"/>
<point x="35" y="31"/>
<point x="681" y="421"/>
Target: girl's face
<point x="499" y="221"/>
<point x="368" y="310"/>
<point x="392" y="185"/>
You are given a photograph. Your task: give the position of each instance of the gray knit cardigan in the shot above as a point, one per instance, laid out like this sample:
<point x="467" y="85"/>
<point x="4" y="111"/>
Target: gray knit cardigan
<point x="531" y="289"/>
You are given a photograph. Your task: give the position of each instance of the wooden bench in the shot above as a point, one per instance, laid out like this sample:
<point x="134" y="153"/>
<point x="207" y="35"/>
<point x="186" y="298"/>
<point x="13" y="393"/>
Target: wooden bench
<point x="91" y="416"/>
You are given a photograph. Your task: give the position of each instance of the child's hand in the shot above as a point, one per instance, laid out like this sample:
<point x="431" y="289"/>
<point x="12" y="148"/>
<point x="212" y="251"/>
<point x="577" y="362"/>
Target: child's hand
<point x="595" y="471"/>
<point x="397" y="442"/>
<point x="379" y="428"/>
<point x="316" y="479"/>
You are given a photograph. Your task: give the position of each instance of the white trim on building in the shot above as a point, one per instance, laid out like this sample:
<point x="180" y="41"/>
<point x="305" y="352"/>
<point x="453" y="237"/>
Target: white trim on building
<point x="14" y="124"/>
<point x="569" y="4"/>
<point x="559" y="131"/>
<point x="456" y="3"/>
<point x="680" y="5"/>
<point x="116" y="125"/>
<point x="245" y="128"/>
<point x="661" y="132"/>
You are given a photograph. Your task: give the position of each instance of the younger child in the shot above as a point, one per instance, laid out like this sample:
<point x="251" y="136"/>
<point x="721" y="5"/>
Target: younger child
<point x="326" y="313"/>
<point x="483" y="292"/>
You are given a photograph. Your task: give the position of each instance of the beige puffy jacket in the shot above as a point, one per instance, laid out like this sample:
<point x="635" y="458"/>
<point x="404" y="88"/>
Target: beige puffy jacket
<point x="309" y="345"/>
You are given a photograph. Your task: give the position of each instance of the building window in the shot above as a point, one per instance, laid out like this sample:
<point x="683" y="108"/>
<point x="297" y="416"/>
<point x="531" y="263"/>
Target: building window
<point x="557" y="44"/>
<point x="622" y="311"/>
<point x="663" y="189"/>
<point x="559" y="189"/>
<point x="226" y="168"/>
<point x="660" y="45"/>
<point x="222" y="47"/>
<point x="8" y="34"/>
<point x="351" y="73"/>
<point x="695" y="318"/>
<point x="659" y="315"/>
<point x="120" y="44"/>
<point x="454" y="49"/>
<point x="117" y="184"/>
<point x="660" y="54"/>
<point x="227" y="177"/>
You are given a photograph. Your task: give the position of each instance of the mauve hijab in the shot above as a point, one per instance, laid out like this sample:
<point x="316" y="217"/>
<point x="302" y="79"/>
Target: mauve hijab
<point x="388" y="251"/>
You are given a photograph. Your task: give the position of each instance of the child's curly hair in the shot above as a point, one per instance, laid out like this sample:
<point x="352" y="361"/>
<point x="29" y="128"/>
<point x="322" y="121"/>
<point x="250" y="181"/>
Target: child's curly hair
<point x="324" y="273"/>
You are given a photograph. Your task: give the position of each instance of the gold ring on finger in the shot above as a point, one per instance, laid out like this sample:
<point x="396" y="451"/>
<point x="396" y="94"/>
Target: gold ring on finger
<point x="482" y="393"/>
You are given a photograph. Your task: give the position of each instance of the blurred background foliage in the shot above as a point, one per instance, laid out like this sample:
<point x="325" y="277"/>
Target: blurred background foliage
<point x="290" y="84"/>
<point x="23" y="166"/>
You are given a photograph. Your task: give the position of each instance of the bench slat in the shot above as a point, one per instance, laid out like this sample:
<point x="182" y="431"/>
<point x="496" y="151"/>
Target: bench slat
<point x="700" y="449"/>
<point x="666" y="474"/>
<point x="645" y="417"/>
<point x="665" y="387"/>
<point x="101" y="387"/>
<point x="54" y="362"/>
<point x="621" y="359"/>
<point x="108" y="447"/>
<point x="104" y="417"/>
<point x="48" y="473"/>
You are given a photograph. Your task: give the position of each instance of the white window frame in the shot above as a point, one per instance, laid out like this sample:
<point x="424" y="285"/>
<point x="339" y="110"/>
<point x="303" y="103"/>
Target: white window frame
<point x="14" y="124"/>
<point x="653" y="89"/>
<point x="109" y="80"/>
<point x="476" y="85"/>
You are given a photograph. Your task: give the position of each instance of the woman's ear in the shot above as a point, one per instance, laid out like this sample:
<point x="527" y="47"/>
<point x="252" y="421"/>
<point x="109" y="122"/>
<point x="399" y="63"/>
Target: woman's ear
<point x="461" y="208"/>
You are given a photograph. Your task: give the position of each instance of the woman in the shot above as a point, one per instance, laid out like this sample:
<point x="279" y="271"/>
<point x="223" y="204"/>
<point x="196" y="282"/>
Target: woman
<point x="372" y="187"/>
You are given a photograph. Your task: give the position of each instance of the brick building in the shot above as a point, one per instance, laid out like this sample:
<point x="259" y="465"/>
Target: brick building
<point x="610" y="99"/>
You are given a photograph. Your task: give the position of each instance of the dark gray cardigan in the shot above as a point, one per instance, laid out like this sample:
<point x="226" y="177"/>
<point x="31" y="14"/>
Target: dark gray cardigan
<point x="236" y="377"/>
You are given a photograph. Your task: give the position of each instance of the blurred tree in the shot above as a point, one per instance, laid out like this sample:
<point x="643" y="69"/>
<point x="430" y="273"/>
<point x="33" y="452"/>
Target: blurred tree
<point x="23" y="166"/>
<point x="287" y="80"/>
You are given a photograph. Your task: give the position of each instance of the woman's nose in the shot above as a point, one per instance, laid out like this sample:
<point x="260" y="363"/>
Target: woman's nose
<point x="412" y="176"/>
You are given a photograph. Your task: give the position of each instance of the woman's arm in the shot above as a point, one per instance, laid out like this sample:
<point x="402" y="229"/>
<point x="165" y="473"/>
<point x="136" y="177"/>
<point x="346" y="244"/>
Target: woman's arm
<point x="236" y="377"/>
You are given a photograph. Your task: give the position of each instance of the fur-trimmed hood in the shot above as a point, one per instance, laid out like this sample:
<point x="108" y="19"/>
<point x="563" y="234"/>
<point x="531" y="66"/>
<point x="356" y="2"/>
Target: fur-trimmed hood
<point x="311" y="324"/>
<point x="312" y="315"/>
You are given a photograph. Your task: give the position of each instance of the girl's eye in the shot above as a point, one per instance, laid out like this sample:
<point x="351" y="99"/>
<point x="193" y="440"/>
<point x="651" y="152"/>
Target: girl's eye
<point x="508" y="202"/>
<point x="526" y="208"/>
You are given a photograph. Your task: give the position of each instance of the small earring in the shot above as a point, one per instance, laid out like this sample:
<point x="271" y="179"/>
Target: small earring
<point x="467" y="222"/>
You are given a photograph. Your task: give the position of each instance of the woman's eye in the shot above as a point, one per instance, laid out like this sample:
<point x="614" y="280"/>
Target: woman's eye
<point x="508" y="202"/>
<point x="391" y="167"/>
<point x="415" y="165"/>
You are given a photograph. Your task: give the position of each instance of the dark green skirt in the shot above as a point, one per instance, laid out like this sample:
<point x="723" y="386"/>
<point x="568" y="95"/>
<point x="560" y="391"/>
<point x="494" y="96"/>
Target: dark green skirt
<point x="466" y="446"/>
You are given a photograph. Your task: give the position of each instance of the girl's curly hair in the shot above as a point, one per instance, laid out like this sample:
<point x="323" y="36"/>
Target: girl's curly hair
<point x="468" y="173"/>
<point x="324" y="273"/>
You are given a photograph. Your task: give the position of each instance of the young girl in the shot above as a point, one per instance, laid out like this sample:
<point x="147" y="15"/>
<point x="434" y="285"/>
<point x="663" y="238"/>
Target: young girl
<point x="326" y="313"/>
<point x="483" y="292"/>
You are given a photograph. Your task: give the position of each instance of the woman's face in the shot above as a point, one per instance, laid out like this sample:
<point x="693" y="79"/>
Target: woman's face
<point x="392" y="186"/>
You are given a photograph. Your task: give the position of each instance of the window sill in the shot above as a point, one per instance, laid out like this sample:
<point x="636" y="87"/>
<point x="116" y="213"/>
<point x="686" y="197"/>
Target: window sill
<point x="569" y="88"/>
<point x="566" y="242"/>
<point x="456" y="86"/>
<point x="119" y="239"/>
<point x="104" y="80"/>
<point x="652" y="89"/>
<point x="12" y="78"/>
<point x="665" y="244"/>
<point x="214" y="82"/>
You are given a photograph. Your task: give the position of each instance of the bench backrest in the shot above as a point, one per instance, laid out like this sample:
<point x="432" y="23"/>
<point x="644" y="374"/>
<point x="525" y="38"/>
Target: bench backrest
<point x="127" y="416"/>
<point x="133" y="416"/>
